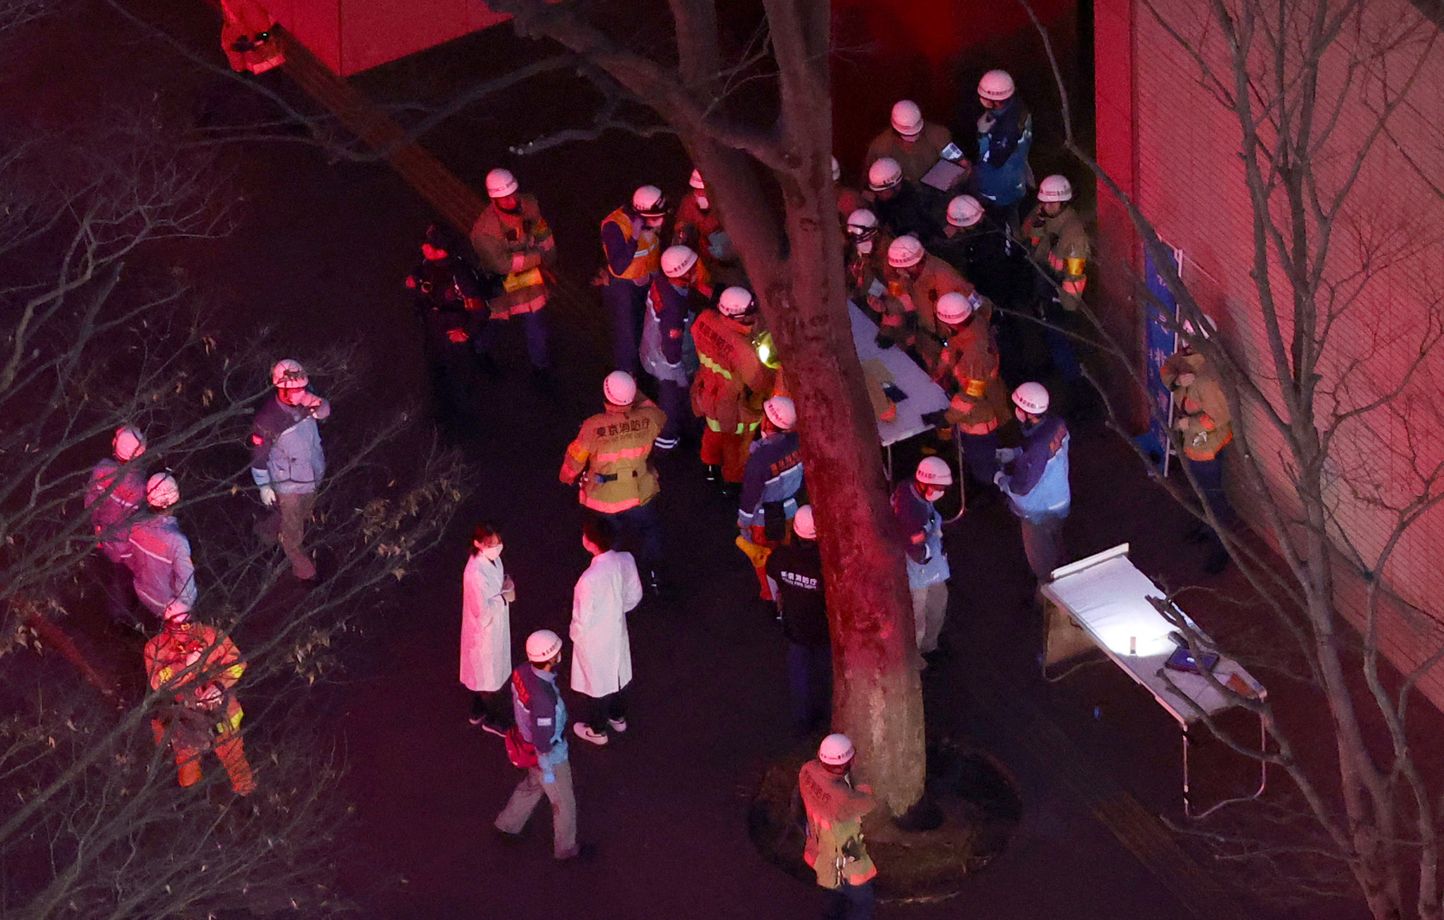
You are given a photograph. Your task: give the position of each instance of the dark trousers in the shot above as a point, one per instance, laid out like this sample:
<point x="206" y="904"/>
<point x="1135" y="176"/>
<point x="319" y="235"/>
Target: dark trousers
<point x="1062" y="349"/>
<point x="675" y="400"/>
<point x="642" y="529"/>
<point x="978" y="455"/>
<point x="534" y="326"/>
<point x="494" y="706"/>
<point x="1209" y="476"/>
<point x="117" y="587"/>
<point x="451" y="365"/>
<point x="624" y="302"/>
<point x="599" y="709"/>
<point x="809" y="683"/>
<point x="850" y="902"/>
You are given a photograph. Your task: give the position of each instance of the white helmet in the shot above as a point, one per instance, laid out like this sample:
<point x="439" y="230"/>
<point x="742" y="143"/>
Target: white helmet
<point x="288" y="374"/>
<point x="177" y="612"/>
<point x="648" y="201"/>
<point x="883" y="174"/>
<point x="804" y="523"/>
<point x="835" y="750"/>
<point x="996" y="85"/>
<point x="542" y="646"/>
<point x="907" y="118"/>
<point x="836" y="169"/>
<point x="161" y="490"/>
<point x="964" y="211"/>
<point x="695" y="180"/>
<point x="861" y="224"/>
<point x="736" y="301"/>
<point x="905" y="252"/>
<point x="127" y="443"/>
<point x="954" y="307"/>
<point x="1055" y="188"/>
<point x="500" y="183"/>
<point x="933" y="471"/>
<point x="678" y="261"/>
<point x="1031" y="397"/>
<point x="619" y="388"/>
<point x="781" y="412"/>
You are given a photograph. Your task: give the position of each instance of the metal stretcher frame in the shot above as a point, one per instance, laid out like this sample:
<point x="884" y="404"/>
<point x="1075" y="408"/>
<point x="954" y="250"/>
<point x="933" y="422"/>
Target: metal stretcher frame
<point x="1119" y="615"/>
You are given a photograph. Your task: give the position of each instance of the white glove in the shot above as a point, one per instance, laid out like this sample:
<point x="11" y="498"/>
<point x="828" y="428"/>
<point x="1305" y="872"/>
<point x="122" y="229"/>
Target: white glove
<point x="268" y="496"/>
<point x="985" y="122"/>
<point x="1005" y="454"/>
<point x="1000" y="479"/>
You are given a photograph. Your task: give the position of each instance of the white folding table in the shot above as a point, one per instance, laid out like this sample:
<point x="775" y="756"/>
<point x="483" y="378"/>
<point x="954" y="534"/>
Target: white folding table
<point x="923" y="395"/>
<point x="1102" y="603"/>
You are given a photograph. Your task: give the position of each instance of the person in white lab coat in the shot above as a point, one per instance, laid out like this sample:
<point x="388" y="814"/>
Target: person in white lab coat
<point x="486" y="596"/>
<point x="602" y="653"/>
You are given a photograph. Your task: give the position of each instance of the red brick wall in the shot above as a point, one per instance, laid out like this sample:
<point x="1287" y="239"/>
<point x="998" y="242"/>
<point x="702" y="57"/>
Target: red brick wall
<point x="1178" y="148"/>
<point x="350" y="36"/>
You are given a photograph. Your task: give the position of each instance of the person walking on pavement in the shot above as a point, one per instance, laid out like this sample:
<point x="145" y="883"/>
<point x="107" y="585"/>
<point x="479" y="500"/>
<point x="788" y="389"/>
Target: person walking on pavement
<point x="915" y="144"/>
<point x="1005" y="135"/>
<point x="1034" y="479"/>
<point x="796" y="569"/>
<point x="770" y="483"/>
<point x="1059" y="243"/>
<point x="664" y="336"/>
<point x="541" y="721"/>
<point x="1205" y="427"/>
<point x="158" y="554"/>
<point x="601" y="651"/>
<point x="967" y="370"/>
<point x="287" y="461"/>
<point x="611" y="458"/>
<point x="453" y="314"/>
<point x="486" y="595"/>
<point x="113" y="496"/>
<point x="835" y="849"/>
<point x="927" y="564"/>
<point x="730" y="385"/>
<point x="197" y="667"/>
<point x="633" y="254"/>
<point x="514" y="242"/>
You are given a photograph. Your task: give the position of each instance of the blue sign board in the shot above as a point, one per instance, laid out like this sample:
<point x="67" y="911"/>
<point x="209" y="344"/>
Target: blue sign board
<point x="1160" y="342"/>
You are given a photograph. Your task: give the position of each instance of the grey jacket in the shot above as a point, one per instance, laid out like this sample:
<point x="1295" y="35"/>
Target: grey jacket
<point x="160" y="560"/>
<point x="286" y="449"/>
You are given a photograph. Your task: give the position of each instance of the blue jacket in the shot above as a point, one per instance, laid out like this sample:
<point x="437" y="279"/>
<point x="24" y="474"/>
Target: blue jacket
<point x="541" y="715"/>
<point x="773" y="474"/>
<point x="922" y="531"/>
<point x="286" y="447"/>
<point x="112" y="506"/>
<point x="665" y="330"/>
<point x="159" y="557"/>
<point x="1036" y="481"/>
<point x="1002" y="169"/>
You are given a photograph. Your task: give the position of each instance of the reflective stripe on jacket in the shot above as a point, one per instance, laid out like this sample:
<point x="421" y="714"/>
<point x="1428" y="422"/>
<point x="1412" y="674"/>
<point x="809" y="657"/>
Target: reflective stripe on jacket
<point x="286" y="449"/>
<point x="1036" y="481"/>
<point x="646" y="250"/>
<point x="773" y="475"/>
<point x="114" y="498"/>
<point x="732" y="382"/>
<point x="160" y="560"/>
<point x="613" y="450"/>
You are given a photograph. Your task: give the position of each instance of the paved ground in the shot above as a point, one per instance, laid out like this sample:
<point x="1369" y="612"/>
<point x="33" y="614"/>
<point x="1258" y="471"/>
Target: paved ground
<point x="321" y="254"/>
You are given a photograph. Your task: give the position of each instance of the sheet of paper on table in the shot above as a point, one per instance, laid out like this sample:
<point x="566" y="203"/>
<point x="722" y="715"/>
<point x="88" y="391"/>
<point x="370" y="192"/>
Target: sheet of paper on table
<point x="944" y="175"/>
<point x="1109" y="598"/>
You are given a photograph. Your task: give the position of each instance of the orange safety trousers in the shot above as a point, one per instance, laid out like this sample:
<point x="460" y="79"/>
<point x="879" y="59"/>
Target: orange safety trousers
<point x="229" y="750"/>
<point x="727" y="449"/>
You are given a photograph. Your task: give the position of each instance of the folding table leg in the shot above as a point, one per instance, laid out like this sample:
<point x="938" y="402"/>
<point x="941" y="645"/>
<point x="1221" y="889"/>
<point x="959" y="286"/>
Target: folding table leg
<point x="1263" y="777"/>
<point x="962" y="479"/>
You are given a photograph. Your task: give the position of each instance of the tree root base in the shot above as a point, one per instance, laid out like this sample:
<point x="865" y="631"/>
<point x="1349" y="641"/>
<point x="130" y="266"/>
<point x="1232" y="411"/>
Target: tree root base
<point x="967" y="815"/>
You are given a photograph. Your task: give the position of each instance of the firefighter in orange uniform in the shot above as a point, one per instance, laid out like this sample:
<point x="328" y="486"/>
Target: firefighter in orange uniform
<point x="1059" y="243"/>
<point x="730" y="386"/>
<point x="512" y="240"/>
<point x="248" y="37"/>
<point x="1205" y="427"/>
<point x="199" y="665"/>
<point x="633" y="253"/>
<point x="835" y="849"/>
<point x="611" y="458"/>
<point x="915" y="282"/>
<point x="967" y="370"/>
<point x="699" y="226"/>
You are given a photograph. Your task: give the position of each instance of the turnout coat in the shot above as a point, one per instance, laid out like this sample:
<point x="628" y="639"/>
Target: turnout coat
<point x="601" y="649"/>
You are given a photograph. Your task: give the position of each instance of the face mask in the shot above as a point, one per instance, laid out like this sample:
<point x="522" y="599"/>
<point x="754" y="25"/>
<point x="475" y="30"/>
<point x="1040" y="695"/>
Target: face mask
<point x="864" y="247"/>
<point x="932" y="495"/>
<point x="653" y="223"/>
<point x="492" y="553"/>
<point x="702" y="202"/>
